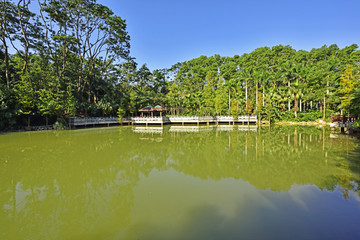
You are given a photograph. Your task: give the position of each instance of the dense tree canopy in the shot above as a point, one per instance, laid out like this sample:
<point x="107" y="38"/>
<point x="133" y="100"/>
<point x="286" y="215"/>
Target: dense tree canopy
<point x="292" y="82"/>
<point x="72" y="58"/>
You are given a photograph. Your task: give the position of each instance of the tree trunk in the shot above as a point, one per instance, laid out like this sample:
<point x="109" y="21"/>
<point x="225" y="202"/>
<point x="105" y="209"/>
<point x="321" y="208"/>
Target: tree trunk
<point x="289" y="105"/>
<point x="257" y="95"/>
<point x="229" y="101"/>
<point x="324" y="108"/>
<point x="7" y="66"/>
<point x="300" y="106"/>
<point x="263" y="98"/>
<point x="246" y="92"/>
<point x="259" y="118"/>
<point x="26" y="41"/>
<point x="296" y="105"/>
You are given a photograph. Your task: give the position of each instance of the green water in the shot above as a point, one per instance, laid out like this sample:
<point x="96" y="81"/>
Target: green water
<point x="180" y="183"/>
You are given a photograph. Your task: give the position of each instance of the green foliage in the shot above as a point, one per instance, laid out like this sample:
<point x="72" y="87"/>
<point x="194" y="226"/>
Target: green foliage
<point x="348" y="83"/>
<point x="48" y="102"/>
<point x="120" y="113"/>
<point x="8" y="109"/>
<point x="234" y="109"/>
<point x="269" y="109"/>
<point x="288" y="116"/>
<point x="356" y="124"/>
<point x="249" y="107"/>
<point x="220" y="100"/>
<point x="73" y="59"/>
<point x="60" y="124"/>
<point x="25" y="96"/>
<point x="309" y="116"/>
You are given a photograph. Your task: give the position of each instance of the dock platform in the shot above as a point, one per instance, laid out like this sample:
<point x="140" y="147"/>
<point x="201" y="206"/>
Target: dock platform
<point x="197" y="120"/>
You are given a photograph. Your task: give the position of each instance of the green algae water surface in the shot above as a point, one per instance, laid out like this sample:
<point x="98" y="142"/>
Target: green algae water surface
<point x="179" y="182"/>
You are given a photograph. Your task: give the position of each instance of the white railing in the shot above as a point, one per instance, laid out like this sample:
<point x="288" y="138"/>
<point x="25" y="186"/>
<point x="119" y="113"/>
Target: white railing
<point x="247" y="118"/>
<point x="149" y="119"/>
<point x="184" y="118"/>
<point x="224" y="118"/>
<point x="190" y="118"/>
<point x="175" y="119"/>
<point x="93" y="120"/>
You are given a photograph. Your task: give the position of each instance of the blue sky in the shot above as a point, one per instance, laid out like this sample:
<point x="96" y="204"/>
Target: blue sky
<point x="164" y="32"/>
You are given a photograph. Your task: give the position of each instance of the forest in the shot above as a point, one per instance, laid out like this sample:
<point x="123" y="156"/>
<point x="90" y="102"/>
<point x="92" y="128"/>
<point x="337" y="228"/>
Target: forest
<point x="71" y="58"/>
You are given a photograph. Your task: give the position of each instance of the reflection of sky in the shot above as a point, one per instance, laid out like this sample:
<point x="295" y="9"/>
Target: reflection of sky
<point x="170" y="205"/>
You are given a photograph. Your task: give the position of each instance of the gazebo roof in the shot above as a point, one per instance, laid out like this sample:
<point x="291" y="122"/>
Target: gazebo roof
<point x="159" y="108"/>
<point x="150" y="108"/>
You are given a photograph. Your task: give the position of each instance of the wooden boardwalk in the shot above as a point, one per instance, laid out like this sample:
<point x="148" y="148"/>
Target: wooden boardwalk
<point x="343" y="118"/>
<point x="197" y="120"/>
<point x="343" y="122"/>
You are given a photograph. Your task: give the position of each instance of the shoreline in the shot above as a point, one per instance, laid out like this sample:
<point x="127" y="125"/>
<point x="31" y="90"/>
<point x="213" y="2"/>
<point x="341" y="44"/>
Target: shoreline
<point x="263" y="123"/>
<point x="312" y="123"/>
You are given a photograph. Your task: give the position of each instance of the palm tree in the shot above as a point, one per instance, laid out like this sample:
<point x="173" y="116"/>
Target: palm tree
<point x="245" y="75"/>
<point x="287" y="70"/>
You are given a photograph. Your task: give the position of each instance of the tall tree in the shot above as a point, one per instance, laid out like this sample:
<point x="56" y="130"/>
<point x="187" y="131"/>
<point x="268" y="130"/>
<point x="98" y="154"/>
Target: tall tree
<point x="348" y="82"/>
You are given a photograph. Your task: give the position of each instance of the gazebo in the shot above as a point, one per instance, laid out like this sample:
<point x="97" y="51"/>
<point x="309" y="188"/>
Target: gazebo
<point x="152" y="111"/>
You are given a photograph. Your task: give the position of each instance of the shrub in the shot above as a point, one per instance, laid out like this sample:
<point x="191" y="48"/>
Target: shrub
<point x="287" y="116"/>
<point x="60" y="124"/>
<point x="356" y="124"/>
<point x="309" y="116"/>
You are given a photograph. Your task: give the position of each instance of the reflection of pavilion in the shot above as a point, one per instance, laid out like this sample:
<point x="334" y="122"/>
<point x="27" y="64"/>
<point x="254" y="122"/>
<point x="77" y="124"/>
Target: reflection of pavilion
<point x="249" y="128"/>
<point x="156" y="130"/>
<point x="190" y="129"/>
<point x="226" y="128"/>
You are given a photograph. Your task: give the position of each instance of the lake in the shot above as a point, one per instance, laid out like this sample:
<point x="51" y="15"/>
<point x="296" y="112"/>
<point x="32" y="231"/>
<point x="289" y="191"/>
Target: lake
<point x="226" y="182"/>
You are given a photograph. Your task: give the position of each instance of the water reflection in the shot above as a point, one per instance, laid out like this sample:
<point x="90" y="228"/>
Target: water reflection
<point x="194" y="129"/>
<point x="105" y="183"/>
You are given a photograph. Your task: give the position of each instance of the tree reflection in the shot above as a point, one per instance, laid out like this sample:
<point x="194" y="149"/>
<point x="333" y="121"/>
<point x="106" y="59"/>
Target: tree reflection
<point x="59" y="179"/>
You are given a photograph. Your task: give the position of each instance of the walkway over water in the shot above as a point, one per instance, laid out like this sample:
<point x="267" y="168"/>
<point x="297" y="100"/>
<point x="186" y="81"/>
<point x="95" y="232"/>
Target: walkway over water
<point x="77" y="122"/>
<point x="342" y="121"/>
